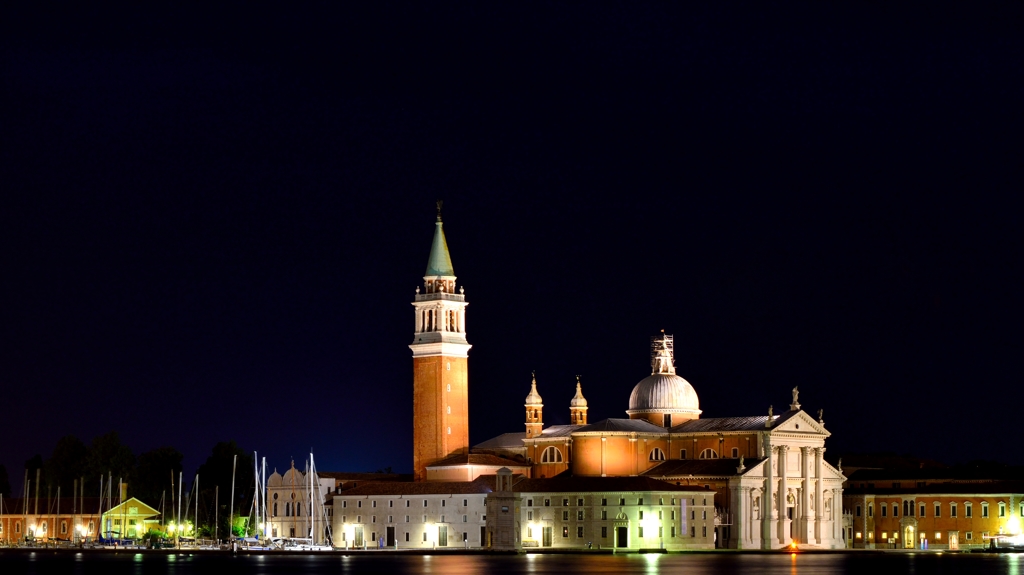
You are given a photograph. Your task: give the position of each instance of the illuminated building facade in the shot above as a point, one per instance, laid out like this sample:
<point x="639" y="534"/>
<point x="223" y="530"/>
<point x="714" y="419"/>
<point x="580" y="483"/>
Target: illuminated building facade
<point x="933" y="509"/>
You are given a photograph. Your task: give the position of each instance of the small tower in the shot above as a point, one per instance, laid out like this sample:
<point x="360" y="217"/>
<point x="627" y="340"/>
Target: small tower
<point x="578" y="406"/>
<point x="534" y="411"/>
<point x="439" y="354"/>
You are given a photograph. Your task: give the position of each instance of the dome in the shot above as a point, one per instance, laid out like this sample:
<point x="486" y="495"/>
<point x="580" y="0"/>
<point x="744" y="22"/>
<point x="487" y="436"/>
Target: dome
<point x="534" y="398"/>
<point x="664" y="393"/>
<point x="578" y="400"/>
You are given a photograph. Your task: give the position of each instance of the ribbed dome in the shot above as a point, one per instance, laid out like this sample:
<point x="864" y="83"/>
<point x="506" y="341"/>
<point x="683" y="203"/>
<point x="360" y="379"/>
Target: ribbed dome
<point x="664" y="393"/>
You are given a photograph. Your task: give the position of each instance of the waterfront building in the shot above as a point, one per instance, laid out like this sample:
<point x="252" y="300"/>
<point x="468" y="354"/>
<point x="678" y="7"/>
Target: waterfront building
<point x="932" y="508"/>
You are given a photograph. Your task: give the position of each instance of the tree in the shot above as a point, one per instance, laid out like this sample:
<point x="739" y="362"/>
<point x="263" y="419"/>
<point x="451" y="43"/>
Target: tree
<point x="5" y="482"/>
<point x="153" y="474"/>
<point x="216" y="472"/>
<point x="66" y="464"/>
<point x="109" y="456"/>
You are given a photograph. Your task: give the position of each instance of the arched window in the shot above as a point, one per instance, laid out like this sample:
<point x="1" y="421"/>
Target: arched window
<point x="657" y="454"/>
<point x="551" y="455"/>
<point x="709" y="454"/>
<point x="298" y="509"/>
<point x="275" y="507"/>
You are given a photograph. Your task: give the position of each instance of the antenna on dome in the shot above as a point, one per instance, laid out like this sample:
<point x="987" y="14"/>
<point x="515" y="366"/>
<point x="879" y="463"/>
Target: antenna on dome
<point x="439" y="204"/>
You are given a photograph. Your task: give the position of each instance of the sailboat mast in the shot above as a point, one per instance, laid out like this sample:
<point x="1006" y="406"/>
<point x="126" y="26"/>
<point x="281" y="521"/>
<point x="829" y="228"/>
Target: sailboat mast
<point x="231" y="513"/>
<point x="263" y="482"/>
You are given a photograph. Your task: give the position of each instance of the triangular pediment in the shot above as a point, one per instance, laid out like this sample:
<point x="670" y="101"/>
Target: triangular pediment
<point x="798" y="422"/>
<point x="133" y="508"/>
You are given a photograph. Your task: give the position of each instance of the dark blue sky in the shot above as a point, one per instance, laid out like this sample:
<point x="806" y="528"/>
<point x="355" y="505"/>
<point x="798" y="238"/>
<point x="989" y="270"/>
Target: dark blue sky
<point x="214" y="221"/>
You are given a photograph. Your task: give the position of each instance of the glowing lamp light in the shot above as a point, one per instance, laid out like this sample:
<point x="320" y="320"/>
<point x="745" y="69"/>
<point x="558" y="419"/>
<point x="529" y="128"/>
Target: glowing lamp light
<point x="792" y="545"/>
<point x="1013" y="526"/>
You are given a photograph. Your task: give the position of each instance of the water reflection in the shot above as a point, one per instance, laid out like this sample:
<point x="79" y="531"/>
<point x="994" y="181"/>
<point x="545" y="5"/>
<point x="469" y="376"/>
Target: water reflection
<point x="539" y="564"/>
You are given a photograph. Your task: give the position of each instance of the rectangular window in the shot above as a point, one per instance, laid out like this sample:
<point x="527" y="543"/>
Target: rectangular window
<point x="547" y="503"/>
<point x="984" y="510"/>
<point x="922" y="510"/>
<point x="406" y="518"/>
<point x="465" y="502"/>
<point x="938" y="536"/>
<point x="968" y="510"/>
<point x="704" y="531"/>
<point x="735" y="452"/>
<point x="622" y="501"/>
<point x="391" y="503"/>
<point x="565" y="531"/>
<point x="693" y="531"/>
<point x="465" y="518"/>
<point x="682" y="454"/>
<point x="640" y="501"/>
<point x="373" y="519"/>
<point x="673" y="515"/>
<point x="579" y="531"/>
<point x="1002" y="509"/>
<point x="969" y="536"/>
<point x="442" y="519"/>
<point x="565" y="516"/>
<point x="374" y="504"/>
<point x="424" y="502"/>
<point x="529" y="502"/>
<point x="343" y="520"/>
<point x="406" y="536"/>
<point x="871" y="509"/>
<point x="442" y="502"/>
<point x="604" y="515"/>
<point x="407" y="502"/>
<point x="885" y="534"/>
<point x="579" y="502"/>
<point x="952" y="509"/>
<point x="661" y="532"/>
<point x="659" y="515"/>
<point x="641" y="515"/>
<point x="565" y="502"/>
<point x="391" y="519"/>
<point x="359" y="504"/>
<point x="938" y="511"/>
<point x="344" y="503"/>
<point x="604" y="532"/>
<point x="424" y="536"/>
<point x="641" y="531"/>
<point x="605" y="502"/>
<point x="424" y="518"/>
<point x="579" y="515"/>
<point x="672" y="530"/>
<point x="529" y="515"/>
<point x="895" y="510"/>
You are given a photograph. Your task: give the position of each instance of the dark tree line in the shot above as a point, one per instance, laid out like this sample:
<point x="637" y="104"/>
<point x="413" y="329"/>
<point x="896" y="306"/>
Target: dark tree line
<point x="149" y="476"/>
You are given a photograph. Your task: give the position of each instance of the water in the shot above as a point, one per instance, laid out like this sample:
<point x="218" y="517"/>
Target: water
<point x="16" y="563"/>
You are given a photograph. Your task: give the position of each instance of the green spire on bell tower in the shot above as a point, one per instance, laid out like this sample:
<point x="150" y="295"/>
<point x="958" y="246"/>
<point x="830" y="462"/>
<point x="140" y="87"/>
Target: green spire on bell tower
<point x="440" y="262"/>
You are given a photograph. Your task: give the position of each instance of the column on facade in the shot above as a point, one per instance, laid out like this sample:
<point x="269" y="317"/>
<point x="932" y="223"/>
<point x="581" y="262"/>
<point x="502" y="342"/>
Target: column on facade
<point x="767" y="509"/>
<point x="819" y="507"/>
<point x="783" y="532"/>
<point x="739" y="515"/>
<point x="806" y="519"/>
<point x="604" y="440"/>
<point x="462" y="321"/>
<point x="419" y="320"/>
<point x="837" y="515"/>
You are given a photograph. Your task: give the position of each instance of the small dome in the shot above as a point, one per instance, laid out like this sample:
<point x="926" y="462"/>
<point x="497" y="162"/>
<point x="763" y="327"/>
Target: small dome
<point x="664" y="393"/>
<point x="534" y="397"/>
<point x="578" y="400"/>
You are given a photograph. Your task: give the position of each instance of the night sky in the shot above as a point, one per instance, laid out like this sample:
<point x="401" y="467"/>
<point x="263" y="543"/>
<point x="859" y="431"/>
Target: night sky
<point x="213" y="222"/>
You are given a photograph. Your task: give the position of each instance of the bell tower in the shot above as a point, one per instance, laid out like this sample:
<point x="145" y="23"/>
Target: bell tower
<point x="534" y="411"/>
<point x="578" y="406"/>
<point x="440" y="407"/>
